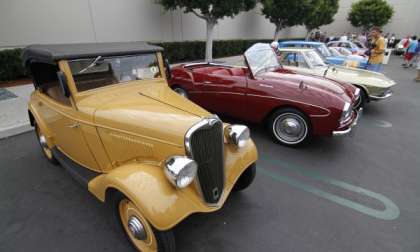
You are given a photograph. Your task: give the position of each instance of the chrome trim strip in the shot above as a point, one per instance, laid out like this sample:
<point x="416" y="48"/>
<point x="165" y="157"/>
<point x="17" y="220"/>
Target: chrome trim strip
<point x="379" y="98"/>
<point x="207" y="121"/>
<point x="215" y="92"/>
<point x="206" y="63"/>
<point x="339" y="133"/>
<point x="282" y="99"/>
<point x="357" y="92"/>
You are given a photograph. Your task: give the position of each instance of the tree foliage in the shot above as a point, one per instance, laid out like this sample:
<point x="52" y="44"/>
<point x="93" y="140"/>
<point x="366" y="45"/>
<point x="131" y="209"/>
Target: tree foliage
<point x="368" y="13"/>
<point x="285" y="13"/>
<point x="211" y="11"/>
<point x="322" y="13"/>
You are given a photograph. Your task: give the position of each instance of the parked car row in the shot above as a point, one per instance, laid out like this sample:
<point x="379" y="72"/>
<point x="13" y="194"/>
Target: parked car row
<point x="294" y="92"/>
<point x="329" y="57"/>
<point x="108" y="113"/>
<point x="294" y="106"/>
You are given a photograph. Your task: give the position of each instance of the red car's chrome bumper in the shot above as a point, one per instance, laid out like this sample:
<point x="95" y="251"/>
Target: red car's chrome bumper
<point x="347" y="130"/>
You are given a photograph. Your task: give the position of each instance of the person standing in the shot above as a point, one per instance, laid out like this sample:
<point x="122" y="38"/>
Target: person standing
<point x="343" y="37"/>
<point x="377" y="50"/>
<point x="411" y="52"/>
<point x="275" y="46"/>
<point x="391" y="42"/>
<point x="418" y="71"/>
<point x="418" y="60"/>
<point x="362" y="38"/>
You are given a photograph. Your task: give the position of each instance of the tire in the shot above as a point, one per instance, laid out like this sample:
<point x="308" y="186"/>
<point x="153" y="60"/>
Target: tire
<point x="296" y="128"/>
<point x="181" y="91"/>
<point x="123" y="209"/>
<point x="246" y="178"/>
<point x="363" y="99"/>
<point x="48" y="154"/>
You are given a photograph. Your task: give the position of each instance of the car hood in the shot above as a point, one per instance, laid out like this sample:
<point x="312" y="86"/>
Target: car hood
<point x="359" y="76"/>
<point x="150" y="109"/>
<point x="309" y="80"/>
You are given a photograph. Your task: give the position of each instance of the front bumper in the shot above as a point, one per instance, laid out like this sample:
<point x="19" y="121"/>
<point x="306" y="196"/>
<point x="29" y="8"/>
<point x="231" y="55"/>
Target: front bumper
<point x="351" y="127"/>
<point x="383" y="96"/>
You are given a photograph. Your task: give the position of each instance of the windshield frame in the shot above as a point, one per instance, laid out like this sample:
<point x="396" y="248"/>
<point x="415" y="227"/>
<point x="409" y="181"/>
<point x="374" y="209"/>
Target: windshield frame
<point x="160" y="66"/>
<point x="256" y="67"/>
<point x="321" y="48"/>
<point x="309" y="63"/>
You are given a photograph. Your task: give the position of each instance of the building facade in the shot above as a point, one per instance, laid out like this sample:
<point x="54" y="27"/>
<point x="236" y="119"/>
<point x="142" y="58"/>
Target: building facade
<point x="24" y="22"/>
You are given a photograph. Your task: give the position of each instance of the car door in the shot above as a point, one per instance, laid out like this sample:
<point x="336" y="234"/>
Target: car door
<point x="61" y="118"/>
<point x="221" y="91"/>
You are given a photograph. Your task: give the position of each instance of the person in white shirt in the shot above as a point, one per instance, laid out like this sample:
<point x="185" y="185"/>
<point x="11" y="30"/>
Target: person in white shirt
<point x="391" y="42"/>
<point x="344" y="37"/>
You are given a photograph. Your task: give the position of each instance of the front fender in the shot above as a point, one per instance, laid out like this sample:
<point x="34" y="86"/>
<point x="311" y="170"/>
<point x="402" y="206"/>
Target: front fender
<point x="162" y="204"/>
<point x="32" y="111"/>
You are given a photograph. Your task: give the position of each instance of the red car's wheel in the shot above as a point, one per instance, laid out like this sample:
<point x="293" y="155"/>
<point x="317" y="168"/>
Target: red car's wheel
<point x="290" y="127"/>
<point x="182" y="92"/>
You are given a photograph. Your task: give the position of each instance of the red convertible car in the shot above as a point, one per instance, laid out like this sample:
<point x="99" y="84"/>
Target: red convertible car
<point x="293" y="106"/>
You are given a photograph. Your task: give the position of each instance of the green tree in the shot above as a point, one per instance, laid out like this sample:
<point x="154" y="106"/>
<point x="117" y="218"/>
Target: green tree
<point x="322" y="13"/>
<point x="368" y="13"/>
<point x="211" y="11"/>
<point x="285" y="13"/>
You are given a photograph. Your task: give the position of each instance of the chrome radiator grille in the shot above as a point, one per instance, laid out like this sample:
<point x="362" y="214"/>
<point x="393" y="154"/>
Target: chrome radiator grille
<point x="205" y="145"/>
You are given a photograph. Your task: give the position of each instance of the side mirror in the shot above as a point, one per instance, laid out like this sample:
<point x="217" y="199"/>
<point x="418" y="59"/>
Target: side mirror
<point x="167" y="69"/>
<point x="62" y="79"/>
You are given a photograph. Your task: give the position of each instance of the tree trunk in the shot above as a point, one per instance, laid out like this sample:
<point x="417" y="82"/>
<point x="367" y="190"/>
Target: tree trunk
<point x="209" y="42"/>
<point x="277" y="33"/>
<point x="308" y="33"/>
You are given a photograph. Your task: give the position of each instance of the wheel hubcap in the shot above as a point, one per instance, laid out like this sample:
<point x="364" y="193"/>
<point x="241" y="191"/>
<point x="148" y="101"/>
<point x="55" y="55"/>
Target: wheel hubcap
<point x="180" y="92"/>
<point x="290" y="128"/>
<point x="136" y="228"/>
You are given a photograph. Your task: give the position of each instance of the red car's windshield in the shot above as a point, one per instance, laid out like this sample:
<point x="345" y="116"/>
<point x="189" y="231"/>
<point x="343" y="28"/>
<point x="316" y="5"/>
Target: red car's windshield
<point x="261" y="58"/>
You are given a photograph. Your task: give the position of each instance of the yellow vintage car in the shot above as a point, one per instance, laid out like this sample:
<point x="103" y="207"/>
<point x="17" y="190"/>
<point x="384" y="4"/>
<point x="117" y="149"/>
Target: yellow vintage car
<point x="104" y="111"/>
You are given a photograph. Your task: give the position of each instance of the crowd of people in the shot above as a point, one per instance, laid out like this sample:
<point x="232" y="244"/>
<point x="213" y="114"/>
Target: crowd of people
<point x="376" y="44"/>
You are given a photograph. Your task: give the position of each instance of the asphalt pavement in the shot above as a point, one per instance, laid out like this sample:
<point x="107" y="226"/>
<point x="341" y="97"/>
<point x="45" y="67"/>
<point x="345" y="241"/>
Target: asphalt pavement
<point x="359" y="193"/>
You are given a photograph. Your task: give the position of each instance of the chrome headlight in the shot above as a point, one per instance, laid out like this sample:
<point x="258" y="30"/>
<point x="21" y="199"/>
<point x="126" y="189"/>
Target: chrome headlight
<point x="238" y="134"/>
<point x="180" y="170"/>
<point x="346" y="114"/>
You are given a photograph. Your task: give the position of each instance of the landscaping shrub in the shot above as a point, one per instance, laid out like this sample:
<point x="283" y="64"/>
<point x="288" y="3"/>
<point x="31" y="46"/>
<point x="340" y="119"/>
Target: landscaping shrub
<point x="11" y="66"/>
<point x="195" y="50"/>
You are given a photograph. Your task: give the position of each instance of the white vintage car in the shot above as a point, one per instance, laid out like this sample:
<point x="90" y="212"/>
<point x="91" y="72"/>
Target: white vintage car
<point x="375" y="86"/>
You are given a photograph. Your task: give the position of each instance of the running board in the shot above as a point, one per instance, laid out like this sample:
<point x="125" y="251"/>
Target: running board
<point x="80" y="173"/>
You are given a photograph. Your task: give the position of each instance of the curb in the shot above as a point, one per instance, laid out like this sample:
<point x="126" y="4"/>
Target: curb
<point x="15" y="130"/>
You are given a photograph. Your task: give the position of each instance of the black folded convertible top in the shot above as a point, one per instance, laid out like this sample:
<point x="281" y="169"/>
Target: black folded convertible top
<point x="55" y="52"/>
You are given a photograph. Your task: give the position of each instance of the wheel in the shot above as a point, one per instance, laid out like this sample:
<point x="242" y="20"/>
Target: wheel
<point x="45" y="148"/>
<point x="246" y="178"/>
<point x="139" y="232"/>
<point x="361" y="102"/>
<point x="289" y="127"/>
<point x="182" y="92"/>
